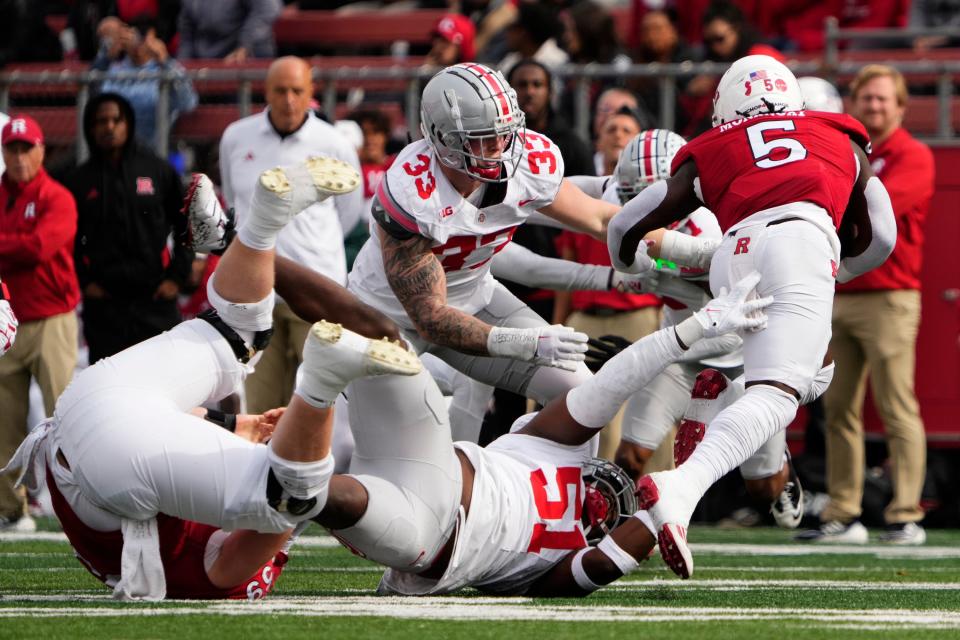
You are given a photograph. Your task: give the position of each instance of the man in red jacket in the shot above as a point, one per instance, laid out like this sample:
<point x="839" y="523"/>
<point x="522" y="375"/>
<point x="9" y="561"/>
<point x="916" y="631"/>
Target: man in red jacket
<point x="38" y="222"/>
<point x="875" y="321"/>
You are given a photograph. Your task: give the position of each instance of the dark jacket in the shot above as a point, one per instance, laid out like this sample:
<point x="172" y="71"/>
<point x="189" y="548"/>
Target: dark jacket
<point x="125" y="215"/>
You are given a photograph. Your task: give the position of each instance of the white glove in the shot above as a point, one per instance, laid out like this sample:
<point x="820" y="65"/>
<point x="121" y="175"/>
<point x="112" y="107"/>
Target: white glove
<point x="727" y="313"/>
<point x="661" y="283"/>
<point x="642" y="263"/>
<point x="553" y="346"/>
<point x="8" y="327"/>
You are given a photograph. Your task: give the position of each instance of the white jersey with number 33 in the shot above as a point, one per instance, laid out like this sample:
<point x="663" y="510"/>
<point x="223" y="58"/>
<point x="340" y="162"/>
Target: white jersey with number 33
<point x="465" y="232"/>
<point x="524" y="518"/>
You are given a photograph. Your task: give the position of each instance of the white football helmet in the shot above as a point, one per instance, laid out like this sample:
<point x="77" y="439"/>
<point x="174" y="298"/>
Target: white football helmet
<point x="755" y="85"/>
<point x="471" y="118"/>
<point x="645" y="160"/>
<point x="820" y="95"/>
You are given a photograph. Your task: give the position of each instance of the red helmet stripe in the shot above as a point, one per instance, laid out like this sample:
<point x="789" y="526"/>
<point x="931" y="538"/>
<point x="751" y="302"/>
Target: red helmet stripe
<point x="647" y="159"/>
<point x="494" y="85"/>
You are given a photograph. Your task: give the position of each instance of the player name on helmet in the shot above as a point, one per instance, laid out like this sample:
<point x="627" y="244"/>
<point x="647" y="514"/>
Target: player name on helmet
<point x="786" y="114"/>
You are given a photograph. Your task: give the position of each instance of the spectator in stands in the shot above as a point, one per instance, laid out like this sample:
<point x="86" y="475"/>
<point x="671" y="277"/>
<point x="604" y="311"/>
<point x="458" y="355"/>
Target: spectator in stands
<point x="230" y="29"/>
<point x="875" y="322"/>
<point x="288" y="132"/>
<point x="659" y="41"/>
<point x="129" y="201"/>
<point x="453" y="38"/>
<point x="24" y="34"/>
<point x="614" y="132"/>
<point x="135" y="47"/>
<point x="591" y="36"/>
<point x="534" y="34"/>
<point x="86" y="18"/>
<point x="38" y="222"/>
<point x="727" y="36"/>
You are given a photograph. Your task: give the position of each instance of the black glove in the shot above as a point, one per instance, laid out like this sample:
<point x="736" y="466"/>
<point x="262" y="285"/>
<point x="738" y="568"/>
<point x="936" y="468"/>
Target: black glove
<point x="604" y="348"/>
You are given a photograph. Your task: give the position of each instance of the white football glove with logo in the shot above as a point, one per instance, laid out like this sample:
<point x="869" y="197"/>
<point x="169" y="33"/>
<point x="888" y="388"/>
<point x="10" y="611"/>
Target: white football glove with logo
<point x="552" y="346"/>
<point x="661" y="283"/>
<point x="727" y="313"/>
<point x="8" y="327"/>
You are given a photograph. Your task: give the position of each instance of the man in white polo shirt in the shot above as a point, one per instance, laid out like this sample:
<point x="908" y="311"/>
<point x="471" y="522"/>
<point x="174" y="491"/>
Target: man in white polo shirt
<point x="286" y="133"/>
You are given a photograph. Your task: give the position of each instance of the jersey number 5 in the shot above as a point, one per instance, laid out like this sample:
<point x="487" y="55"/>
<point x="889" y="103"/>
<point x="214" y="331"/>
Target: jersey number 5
<point x="567" y="482"/>
<point x="771" y="154"/>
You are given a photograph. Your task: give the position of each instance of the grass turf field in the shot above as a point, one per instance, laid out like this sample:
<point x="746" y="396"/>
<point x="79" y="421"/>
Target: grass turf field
<point x="749" y="583"/>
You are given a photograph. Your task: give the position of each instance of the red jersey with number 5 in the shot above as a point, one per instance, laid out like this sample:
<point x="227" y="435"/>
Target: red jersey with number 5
<point x="758" y="163"/>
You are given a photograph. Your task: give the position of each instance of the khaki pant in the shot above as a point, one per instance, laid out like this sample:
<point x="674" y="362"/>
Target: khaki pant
<point x="46" y="350"/>
<point x="874" y="333"/>
<point x="271" y="384"/>
<point x="631" y="325"/>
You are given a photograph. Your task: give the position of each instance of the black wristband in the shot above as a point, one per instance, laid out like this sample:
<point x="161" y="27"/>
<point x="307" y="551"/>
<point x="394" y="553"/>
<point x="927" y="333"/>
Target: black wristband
<point x="226" y="420"/>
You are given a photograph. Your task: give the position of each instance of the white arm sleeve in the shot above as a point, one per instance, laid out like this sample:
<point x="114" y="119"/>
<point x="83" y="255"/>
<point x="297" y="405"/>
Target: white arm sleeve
<point x="689" y="251"/>
<point x="883" y="227"/>
<point x="632" y="213"/>
<point x="520" y="265"/>
<point x="593" y="186"/>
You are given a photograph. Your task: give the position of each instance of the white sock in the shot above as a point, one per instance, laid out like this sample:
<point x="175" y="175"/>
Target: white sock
<point x="303" y="480"/>
<point x="246" y="318"/>
<point x="257" y="237"/>
<point x="595" y="402"/>
<point x="737" y="433"/>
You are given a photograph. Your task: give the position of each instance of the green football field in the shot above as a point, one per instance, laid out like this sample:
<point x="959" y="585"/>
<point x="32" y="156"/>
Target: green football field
<point x="749" y="583"/>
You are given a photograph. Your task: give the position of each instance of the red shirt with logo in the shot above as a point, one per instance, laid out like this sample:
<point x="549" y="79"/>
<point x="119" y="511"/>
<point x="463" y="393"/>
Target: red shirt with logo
<point x="754" y="164"/>
<point x="182" y="547"/>
<point x="38" y="223"/>
<point x="905" y="167"/>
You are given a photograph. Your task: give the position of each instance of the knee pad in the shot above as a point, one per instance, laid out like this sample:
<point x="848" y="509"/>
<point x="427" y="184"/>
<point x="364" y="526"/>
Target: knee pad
<point x="298" y="489"/>
<point x="388" y="532"/>
<point x="246" y="318"/>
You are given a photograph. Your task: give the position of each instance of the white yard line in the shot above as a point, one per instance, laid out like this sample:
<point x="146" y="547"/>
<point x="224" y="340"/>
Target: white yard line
<point x="453" y="608"/>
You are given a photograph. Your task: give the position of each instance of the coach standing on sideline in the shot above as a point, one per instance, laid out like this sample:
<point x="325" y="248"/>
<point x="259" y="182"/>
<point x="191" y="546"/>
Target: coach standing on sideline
<point x="38" y="222"/>
<point x="875" y="322"/>
<point x="129" y="201"/>
<point x="288" y="132"/>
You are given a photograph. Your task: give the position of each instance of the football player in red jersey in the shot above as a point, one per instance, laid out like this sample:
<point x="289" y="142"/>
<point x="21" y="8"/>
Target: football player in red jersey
<point x="8" y="322"/>
<point x="786" y="185"/>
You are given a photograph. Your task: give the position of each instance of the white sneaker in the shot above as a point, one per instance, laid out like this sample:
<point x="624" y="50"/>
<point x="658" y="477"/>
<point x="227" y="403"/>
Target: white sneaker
<point x="670" y="508"/>
<point x="209" y="227"/>
<point x="334" y="356"/>
<point x="836" y="532"/>
<point x="23" y="524"/>
<point x="904" y="533"/>
<point x="787" y="509"/>
<point x="283" y="192"/>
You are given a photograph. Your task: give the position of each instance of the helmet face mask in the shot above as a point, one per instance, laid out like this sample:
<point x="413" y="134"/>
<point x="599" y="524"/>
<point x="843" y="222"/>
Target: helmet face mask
<point x="471" y="118"/>
<point x="646" y="159"/>
<point x="753" y="86"/>
<point x="610" y="499"/>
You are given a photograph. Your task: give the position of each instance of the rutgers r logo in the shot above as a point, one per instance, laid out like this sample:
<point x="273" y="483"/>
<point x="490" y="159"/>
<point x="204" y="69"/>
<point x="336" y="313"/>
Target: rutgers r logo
<point x="18" y="126"/>
<point x="742" y="246"/>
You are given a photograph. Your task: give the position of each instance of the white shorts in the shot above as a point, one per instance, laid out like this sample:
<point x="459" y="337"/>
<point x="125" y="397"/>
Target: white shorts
<point x="403" y="455"/>
<point x="796" y="260"/>
<point x="135" y="452"/>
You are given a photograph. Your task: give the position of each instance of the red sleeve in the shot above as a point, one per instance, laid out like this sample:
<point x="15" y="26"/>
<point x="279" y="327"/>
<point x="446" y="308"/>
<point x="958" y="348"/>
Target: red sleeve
<point x="910" y="181"/>
<point x="56" y="226"/>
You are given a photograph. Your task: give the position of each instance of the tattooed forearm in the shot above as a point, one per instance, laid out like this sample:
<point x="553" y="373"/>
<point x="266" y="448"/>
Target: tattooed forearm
<point x="417" y="279"/>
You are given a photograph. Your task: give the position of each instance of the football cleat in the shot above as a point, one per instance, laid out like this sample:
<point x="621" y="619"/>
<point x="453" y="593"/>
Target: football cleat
<point x="209" y="227"/>
<point x="787" y="509"/>
<point x="670" y="509"/>
<point x="334" y="356"/>
<point x="21" y="524"/>
<point x="704" y="406"/>
<point x="283" y="192"/>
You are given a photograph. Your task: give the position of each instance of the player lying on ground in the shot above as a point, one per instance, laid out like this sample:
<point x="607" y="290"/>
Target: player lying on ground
<point x="782" y="182"/>
<point x="157" y="501"/>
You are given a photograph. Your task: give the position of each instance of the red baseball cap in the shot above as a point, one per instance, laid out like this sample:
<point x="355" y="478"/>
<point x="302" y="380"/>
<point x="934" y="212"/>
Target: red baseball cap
<point x="22" y="129"/>
<point x="459" y="30"/>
